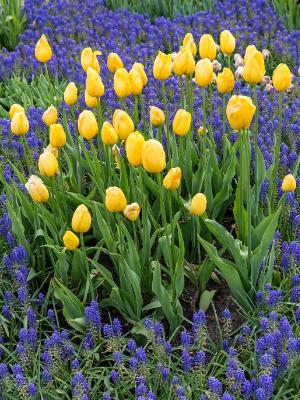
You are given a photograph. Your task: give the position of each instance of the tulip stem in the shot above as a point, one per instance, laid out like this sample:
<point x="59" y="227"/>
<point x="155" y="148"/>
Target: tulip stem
<point x="247" y="147"/>
<point x="167" y="118"/>
<point x="161" y="201"/>
<point x="224" y="124"/>
<point x="51" y="89"/>
<point x="182" y="94"/>
<point x="256" y="192"/>
<point x="241" y="208"/>
<point x="62" y="181"/>
<point x="89" y="285"/>
<point x="159" y="133"/>
<point x="100" y="117"/>
<point x="141" y="97"/>
<point x="211" y="135"/>
<point x="23" y="141"/>
<point x="136" y="110"/>
<point x="78" y="152"/>
<point x="204" y="124"/>
<point x="229" y="63"/>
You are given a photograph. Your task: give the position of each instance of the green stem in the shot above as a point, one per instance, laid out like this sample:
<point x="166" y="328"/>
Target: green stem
<point x="89" y="287"/>
<point x="161" y="201"/>
<point x="100" y="118"/>
<point x="167" y="118"/>
<point x="62" y="181"/>
<point x="49" y="82"/>
<point x="78" y="151"/>
<point x="23" y="141"/>
<point x="247" y="147"/>
<point x="159" y="133"/>
<point x="256" y="193"/>
<point x="141" y="97"/>
<point x="211" y="135"/>
<point x="182" y="94"/>
<point x="224" y="125"/>
<point x="241" y="184"/>
<point x="229" y="61"/>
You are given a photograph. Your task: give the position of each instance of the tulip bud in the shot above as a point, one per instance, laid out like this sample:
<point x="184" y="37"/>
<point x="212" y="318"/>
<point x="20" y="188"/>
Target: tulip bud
<point x="48" y="164"/>
<point x="254" y="69"/>
<point x="135" y="81"/>
<point x="250" y="50"/>
<point x="89" y="59"/>
<point x="188" y="42"/>
<point x="238" y="60"/>
<point x="94" y="85"/>
<point x="282" y="77"/>
<point x="153" y="156"/>
<point x="216" y="66"/>
<point x="140" y="68"/>
<point x="240" y="111"/>
<point x="57" y="135"/>
<point x="43" y="52"/>
<point x="52" y="150"/>
<point x="50" y="116"/>
<point x="227" y="42"/>
<point x="115" y="200"/>
<point x="204" y="72"/>
<point x="87" y="125"/>
<point x="108" y="134"/>
<point x="70" y="94"/>
<point x="157" y="116"/>
<point x="201" y="131"/>
<point x="184" y="63"/>
<point x="123" y="124"/>
<point x="182" y="122"/>
<point x="207" y="47"/>
<point x="239" y="73"/>
<point x="37" y="190"/>
<point x="133" y="148"/>
<point x="70" y="240"/>
<point x="162" y="67"/>
<point x="172" y="179"/>
<point x="122" y="84"/>
<point x="132" y="211"/>
<point x="82" y="219"/>
<point x="225" y="81"/>
<point x="288" y="183"/>
<point x="14" y="109"/>
<point x="19" y="124"/>
<point x="114" y="62"/>
<point x="198" y="204"/>
<point x="116" y="153"/>
<point x="90" y="101"/>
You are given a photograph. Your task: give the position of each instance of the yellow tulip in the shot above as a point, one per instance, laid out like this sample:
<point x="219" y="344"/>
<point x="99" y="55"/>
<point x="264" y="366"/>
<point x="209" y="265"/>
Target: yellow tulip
<point x="157" y="116"/>
<point x="108" y="134"/>
<point x="115" y="200"/>
<point x="188" y="42"/>
<point x="57" y="135"/>
<point x="94" y="84"/>
<point x="122" y="84"/>
<point x="70" y="94"/>
<point x="116" y="153"/>
<point x="81" y="220"/>
<point x="136" y="81"/>
<point x="201" y="131"/>
<point x="204" y="72"/>
<point x="19" y="124"/>
<point x="227" y="42"/>
<point x="162" y="67"/>
<point x="89" y="59"/>
<point x="184" y="63"/>
<point x="153" y="156"/>
<point x="182" y="122"/>
<point x="37" y="190"/>
<point x="48" y="164"/>
<point x="140" y="68"/>
<point x="123" y="124"/>
<point x="133" y="148"/>
<point x="288" y="183"/>
<point x="240" y="111"/>
<point x="43" y="52"/>
<point x="14" y="109"/>
<point x="172" y="179"/>
<point x="132" y="211"/>
<point x="207" y="47"/>
<point x="282" y="77"/>
<point x="70" y="240"/>
<point x="50" y="116"/>
<point x="87" y="125"/>
<point x="254" y="68"/>
<point x="90" y="101"/>
<point x="250" y="50"/>
<point x="225" y="81"/>
<point x="114" y="62"/>
<point x="198" y="204"/>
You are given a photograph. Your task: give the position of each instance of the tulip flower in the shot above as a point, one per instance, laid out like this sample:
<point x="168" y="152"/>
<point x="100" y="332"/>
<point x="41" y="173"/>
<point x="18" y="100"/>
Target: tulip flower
<point x="50" y="116"/>
<point x="48" y="164"/>
<point x="189" y="43"/>
<point x="282" y="77"/>
<point x="172" y="179"/>
<point x="19" y="124"/>
<point x="133" y="148"/>
<point x="57" y="136"/>
<point x="132" y="211"/>
<point x="115" y="200"/>
<point x="157" y="116"/>
<point x="123" y="124"/>
<point x="182" y="122"/>
<point x="82" y="219"/>
<point x="250" y="50"/>
<point x="227" y="42"/>
<point x="153" y="156"/>
<point x="90" y="101"/>
<point x="240" y="111"/>
<point x="70" y="94"/>
<point x="204" y="72"/>
<point x="162" y="67"/>
<point x="71" y="241"/>
<point x="122" y="84"/>
<point x="140" y="68"/>
<point x="184" y="63"/>
<point x="37" y="190"/>
<point x="94" y="84"/>
<point x="14" y="109"/>
<point x="114" y="62"/>
<point x="108" y="134"/>
<point x="116" y="153"/>
<point x="136" y="81"/>
<point x="198" y="204"/>
<point x="254" y="69"/>
<point x="43" y="52"/>
<point x="225" y="81"/>
<point x="207" y="47"/>
<point x="202" y="131"/>
<point x="89" y="59"/>
<point x="288" y="183"/>
<point x="87" y="125"/>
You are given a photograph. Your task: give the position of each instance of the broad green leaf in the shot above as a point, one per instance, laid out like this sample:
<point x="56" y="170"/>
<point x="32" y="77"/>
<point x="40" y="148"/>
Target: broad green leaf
<point x="206" y="298"/>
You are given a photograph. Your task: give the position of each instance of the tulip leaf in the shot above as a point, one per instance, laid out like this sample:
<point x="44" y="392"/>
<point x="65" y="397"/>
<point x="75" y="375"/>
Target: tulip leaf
<point x="205" y="270"/>
<point x="179" y="268"/>
<point x="206" y="298"/>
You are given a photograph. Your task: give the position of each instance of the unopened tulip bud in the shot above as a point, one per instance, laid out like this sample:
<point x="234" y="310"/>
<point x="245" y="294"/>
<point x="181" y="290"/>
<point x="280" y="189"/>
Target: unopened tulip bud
<point x="204" y="72"/>
<point x="115" y="200"/>
<point x="19" y="124"/>
<point x="282" y="77"/>
<point x="182" y="122"/>
<point x="132" y="211"/>
<point x="43" y="52"/>
<point x="201" y="131"/>
<point x="114" y="62"/>
<point x="70" y="240"/>
<point x="288" y="183"/>
<point x="122" y="83"/>
<point x="89" y="59"/>
<point x="153" y="156"/>
<point x="14" y="109"/>
<point x="225" y="81"/>
<point x="94" y="84"/>
<point x="188" y="42"/>
<point x="57" y="135"/>
<point x="70" y="94"/>
<point x="87" y="125"/>
<point x="157" y="116"/>
<point x="172" y="179"/>
<point x="37" y="190"/>
<point x="108" y="134"/>
<point x="227" y="42"/>
<point x="254" y="69"/>
<point x="90" y="101"/>
<point x="136" y="81"/>
<point x="207" y="47"/>
<point x="240" y="111"/>
<point x="81" y="220"/>
<point x="50" y="116"/>
<point x="198" y="204"/>
<point x="250" y="50"/>
<point x="140" y="68"/>
<point x="48" y="164"/>
<point x="162" y="67"/>
<point x="123" y="124"/>
<point x="133" y="148"/>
